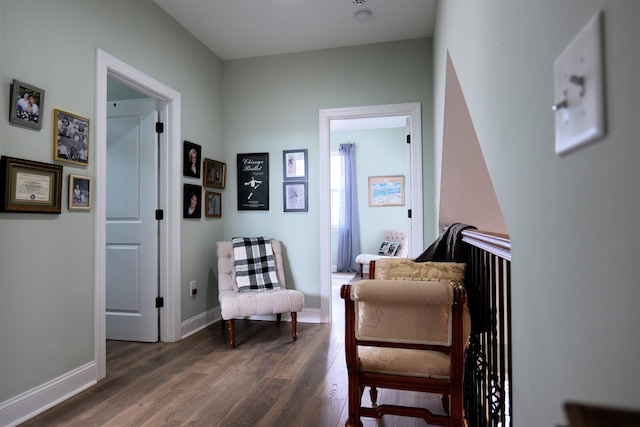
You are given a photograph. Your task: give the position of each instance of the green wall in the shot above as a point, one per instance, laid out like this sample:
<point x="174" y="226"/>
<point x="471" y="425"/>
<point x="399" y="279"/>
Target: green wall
<point x="46" y="261"/>
<point x="272" y="104"/>
<point x="378" y="152"/>
<point x="572" y="218"/>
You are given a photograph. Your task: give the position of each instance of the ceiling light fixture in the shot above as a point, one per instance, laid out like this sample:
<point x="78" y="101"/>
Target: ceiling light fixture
<point x="358" y="2"/>
<point x="363" y="16"/>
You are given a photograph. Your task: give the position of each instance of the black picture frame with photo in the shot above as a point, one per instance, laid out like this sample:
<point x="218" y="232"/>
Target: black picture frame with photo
<point x="295" y="196"/>
<point x="192" y="160"/>
<point x="253" y="181"/>
<point x="192" y="201"/>
<point x="27" y="105"/>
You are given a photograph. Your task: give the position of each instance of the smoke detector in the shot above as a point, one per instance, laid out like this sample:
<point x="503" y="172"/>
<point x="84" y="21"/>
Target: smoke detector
<point x="363" y="15"/>
<point x="358" y="2"/>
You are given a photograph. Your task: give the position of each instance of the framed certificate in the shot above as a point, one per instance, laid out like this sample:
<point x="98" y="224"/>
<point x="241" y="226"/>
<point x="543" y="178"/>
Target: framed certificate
<point x="28" y="186"/>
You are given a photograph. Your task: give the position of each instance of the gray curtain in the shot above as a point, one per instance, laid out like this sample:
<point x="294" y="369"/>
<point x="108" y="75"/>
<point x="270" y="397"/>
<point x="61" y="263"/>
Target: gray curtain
<point x="349" y="228"/>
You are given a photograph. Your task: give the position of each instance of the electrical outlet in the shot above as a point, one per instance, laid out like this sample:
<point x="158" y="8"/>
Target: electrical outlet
<point x="193" y="288"/>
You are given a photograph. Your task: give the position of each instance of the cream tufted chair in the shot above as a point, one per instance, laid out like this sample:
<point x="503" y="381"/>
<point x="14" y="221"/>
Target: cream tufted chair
<point x="402" y="237"/>
<point x="407" y="331"/>
<point x="252" y="303"/>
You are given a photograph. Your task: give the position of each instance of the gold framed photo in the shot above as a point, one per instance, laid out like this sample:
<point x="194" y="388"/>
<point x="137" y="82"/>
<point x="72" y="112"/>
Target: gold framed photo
<point x="214" y="204"/>
<point x="70" y="138"/>
<point x="215" y="174"/>
<point x="80" y="193"/>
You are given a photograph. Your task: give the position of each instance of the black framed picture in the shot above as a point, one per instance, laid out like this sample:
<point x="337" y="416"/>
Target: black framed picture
<point x="294" y="164"/>
<point x="192" y="201"/>
<point x="27" y="104"/>
<point x="253" y="181"/>
<point x="191" y="162"/>
<point x="294" y="195"/>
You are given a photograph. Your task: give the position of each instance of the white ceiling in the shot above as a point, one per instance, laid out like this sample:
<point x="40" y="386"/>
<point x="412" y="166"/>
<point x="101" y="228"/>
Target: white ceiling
<point x="235" y="29"/>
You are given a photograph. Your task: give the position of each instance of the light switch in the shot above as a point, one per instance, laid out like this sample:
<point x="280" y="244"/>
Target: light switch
<point x="579" y="88"/>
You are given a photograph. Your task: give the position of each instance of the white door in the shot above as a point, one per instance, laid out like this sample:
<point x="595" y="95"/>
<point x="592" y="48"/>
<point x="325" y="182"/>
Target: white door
<point x="132" y="230"/>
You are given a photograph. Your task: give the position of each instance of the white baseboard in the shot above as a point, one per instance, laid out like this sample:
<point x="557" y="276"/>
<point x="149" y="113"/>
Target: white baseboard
<point x="37" y="400"/>
<point x="199" y="322"/>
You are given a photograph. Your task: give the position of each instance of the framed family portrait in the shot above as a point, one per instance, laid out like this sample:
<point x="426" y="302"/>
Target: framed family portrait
<point x="386" y="190"/>
<point x="213" y="208"/>
<point x="295" y="196"/>
<point x="27" y="186"/>
<point x="253" y="181"/>
<point x="192" y="205"/>
<point x="80" y="195"/>
<point x="27" y="104"/>
<point x="70" y="138"/>
<point x="191" y="162"/>
<point x="294" y="164"/>
<point x="215" y="173"/>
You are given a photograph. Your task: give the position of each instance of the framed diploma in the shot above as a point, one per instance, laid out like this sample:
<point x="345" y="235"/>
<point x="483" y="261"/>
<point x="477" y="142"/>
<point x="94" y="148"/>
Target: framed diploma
<point x="28" y="186"/>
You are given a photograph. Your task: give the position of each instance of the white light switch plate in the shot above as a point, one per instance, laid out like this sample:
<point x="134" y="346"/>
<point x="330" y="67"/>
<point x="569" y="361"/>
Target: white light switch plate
<point x="582" y="119"/>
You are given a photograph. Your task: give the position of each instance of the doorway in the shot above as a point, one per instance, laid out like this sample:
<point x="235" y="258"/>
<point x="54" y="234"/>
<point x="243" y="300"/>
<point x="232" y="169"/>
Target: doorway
<point x="169" y="173"/>
<point x="413" y="113"/>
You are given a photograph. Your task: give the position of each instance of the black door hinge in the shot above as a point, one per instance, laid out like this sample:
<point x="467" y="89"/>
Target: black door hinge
<point x="159" y="302"/>
<point x="159" y="127"/>
<point x="159" y="214"/>
<point x="409" y="213"/>
<point x="408" y="139"/>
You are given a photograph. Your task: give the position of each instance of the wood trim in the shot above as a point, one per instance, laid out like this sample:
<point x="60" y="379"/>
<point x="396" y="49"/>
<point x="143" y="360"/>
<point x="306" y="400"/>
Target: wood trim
<point x="497" y="244"/>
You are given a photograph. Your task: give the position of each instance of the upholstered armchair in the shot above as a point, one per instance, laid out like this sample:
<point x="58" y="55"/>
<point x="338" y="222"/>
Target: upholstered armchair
<point x="251" y="282"/>
<point x="407" y="331"/>
<point x="395" y="243"/>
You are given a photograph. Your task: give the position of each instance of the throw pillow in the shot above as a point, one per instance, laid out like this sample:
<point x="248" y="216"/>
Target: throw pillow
<point x="254" y="264"/>
<point x="392" y="248"/>
<point x="384" y="247"/>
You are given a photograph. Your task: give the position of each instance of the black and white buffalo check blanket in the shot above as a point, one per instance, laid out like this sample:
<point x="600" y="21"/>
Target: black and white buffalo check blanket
<point x="254" y="264"/>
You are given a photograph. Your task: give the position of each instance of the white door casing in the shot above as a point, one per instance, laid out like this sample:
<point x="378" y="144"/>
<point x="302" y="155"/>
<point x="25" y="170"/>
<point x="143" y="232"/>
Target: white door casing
<point x="413" y="111"/>
<point x="132" y="237"/>
<point x="169" y="196"/>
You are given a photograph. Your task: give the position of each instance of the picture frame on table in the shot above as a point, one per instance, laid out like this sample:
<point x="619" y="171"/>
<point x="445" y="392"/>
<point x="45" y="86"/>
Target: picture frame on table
<point x="253" y="181"/>
<point x="295" y="196"/>
<point x="71" y="138"/>
<point x="294" y="164"/>
<point x="215" y="174"/>
<point x="80" y="193"/>
<point x="30" y="187"/>
<point x="27" y="105"/>
<point x="213" y="207"/>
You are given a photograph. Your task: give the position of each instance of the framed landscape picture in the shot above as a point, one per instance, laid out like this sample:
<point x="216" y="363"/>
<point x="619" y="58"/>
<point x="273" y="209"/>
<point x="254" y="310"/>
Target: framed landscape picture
<point x="386" y="190"/>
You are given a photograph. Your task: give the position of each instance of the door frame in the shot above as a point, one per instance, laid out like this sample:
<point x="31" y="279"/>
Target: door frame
<point x="413" y="111"/>
<point x="169" y="113"/>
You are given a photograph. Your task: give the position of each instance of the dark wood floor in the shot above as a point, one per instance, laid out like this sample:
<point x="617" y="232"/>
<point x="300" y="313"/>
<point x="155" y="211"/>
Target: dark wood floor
<point x="267" y="380"/>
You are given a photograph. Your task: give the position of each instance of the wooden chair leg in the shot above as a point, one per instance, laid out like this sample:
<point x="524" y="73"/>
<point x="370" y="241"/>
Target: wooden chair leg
<point x="355" y="395"/>
<point x="294" y="328"/>
<point x="232" y="335"/>
<point x="373" y="394"/>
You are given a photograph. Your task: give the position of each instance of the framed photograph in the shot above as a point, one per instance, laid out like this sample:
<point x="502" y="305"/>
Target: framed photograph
<point x="80" y="195"/>
<point x="27" y="104"/>
<point x="215" y="174"/>
<point x="294" y="164"/>
<point x="253" y="181"/>
<point x="386" y="190"/>
<point x="191" y="159"/>
<point x="214" y="204"/>
<point x="27" y="186"/>
<point x="70" y="138"/>
<point x="295" y="196"/>
<point x="192" y="205"/>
